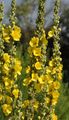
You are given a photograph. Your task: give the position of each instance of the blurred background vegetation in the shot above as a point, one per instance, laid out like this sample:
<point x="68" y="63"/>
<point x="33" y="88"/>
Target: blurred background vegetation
<point x="26" y="12"/>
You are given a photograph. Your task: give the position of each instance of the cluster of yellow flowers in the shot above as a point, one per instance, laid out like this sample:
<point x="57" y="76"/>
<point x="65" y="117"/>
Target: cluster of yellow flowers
<point x="11" y="68"/>
<point x="35" y="51"/>
<point x="35" y="79"/>
<point x="53" y="77"/>
<point x="10" y="34"/>
<point x="43" y="79"/>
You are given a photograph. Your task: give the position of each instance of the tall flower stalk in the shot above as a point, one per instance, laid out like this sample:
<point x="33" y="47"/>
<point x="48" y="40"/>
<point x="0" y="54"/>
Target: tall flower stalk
<point x="11" y="69"/>
<point x="35" y="80"/>
<point x="54" y="69"/>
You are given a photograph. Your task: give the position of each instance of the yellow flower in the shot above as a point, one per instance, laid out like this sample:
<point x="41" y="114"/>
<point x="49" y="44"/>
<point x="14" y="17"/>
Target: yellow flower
<point x="35" y="105"/>
<point x="56" y="85"/>
<point x="38" y="65"/>
<point x="6" y="34"/>
<point x="8" y="83"/>
<point x="17" y="67"/>
<point x="16" y="33"/>
<point x="9" y="100"/>
<point x="34" y="42"/>
<point x="6" y="57"/>
<point x="54" y="70"/>
<point x="49" y="79"/>
<point x="59" y="76"/>
<point x="34" y="76"/>
<point x="37" y="52"/>
<point x="41" y="79"/>
<point x="54" y="117"/>
<point x="28" y="69"/>
<point x="51" y="63"/>
<point x="48" y="70"/>
<point x="7" y="109"/>
<point x="60" y="67"/>
<point x="55" y="94"/>
<point x="6" y="68"/>
<point x="15" y="92"/>
<point x="51" y="33"/>
<point x="25" y="103"/>
<point x="54" y="101"/>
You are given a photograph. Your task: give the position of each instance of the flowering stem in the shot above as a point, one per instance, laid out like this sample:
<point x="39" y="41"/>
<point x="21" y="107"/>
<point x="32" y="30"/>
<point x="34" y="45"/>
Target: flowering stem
<point x="13" y="11"/>
<point x="40" y="18"/>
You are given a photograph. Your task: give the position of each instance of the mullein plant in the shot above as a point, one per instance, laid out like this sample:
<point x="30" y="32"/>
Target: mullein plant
<point x="54" y="68"/>
<point x="44" y="77"/>
<point x="11" y="96"/>
<point x="35" y="106"/>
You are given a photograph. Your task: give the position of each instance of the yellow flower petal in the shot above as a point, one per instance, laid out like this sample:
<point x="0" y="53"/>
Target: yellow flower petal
<point x="37" y="52"/>
<point x="38" y="65"/>
<point x="6" y="34"/>
<point x="54" y="117"/>
<point x="34" y="76"/>
<point x="51" y="33"/>
<point x="7" y="109"/>
<point x="34" y="42"/>
<point x="15" y="92"/>
<point x="6" y="57"/>
<point x="16" y="33"/>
